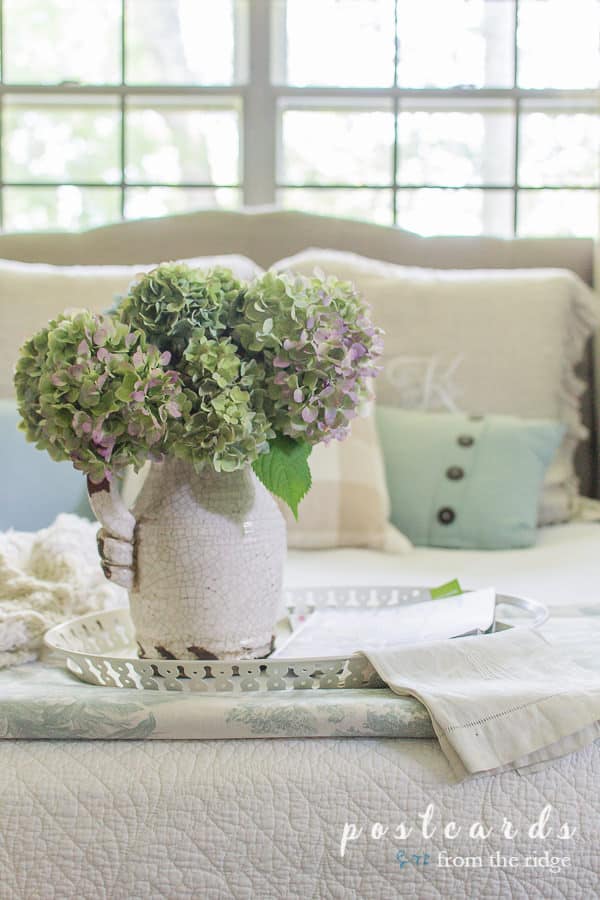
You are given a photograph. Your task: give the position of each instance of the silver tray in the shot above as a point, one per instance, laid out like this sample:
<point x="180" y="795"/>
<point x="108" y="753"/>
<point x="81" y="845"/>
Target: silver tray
<point x="100" y="648"/>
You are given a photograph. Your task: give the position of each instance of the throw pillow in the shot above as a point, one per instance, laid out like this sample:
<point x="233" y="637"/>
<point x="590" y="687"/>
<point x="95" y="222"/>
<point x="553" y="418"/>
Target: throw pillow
<point x="468" y="482"/>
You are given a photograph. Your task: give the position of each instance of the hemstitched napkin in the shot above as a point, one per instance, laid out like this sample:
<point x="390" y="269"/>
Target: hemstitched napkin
<point x="499" y="701"/>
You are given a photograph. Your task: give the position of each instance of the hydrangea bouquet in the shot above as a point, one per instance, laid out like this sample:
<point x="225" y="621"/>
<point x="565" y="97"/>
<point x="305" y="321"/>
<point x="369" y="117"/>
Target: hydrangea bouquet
<point x="203" y="367"/>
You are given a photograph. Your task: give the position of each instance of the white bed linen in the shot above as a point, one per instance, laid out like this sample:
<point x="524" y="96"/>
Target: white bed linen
<point x="264" y="819"/>
<point x="562" y="569"/>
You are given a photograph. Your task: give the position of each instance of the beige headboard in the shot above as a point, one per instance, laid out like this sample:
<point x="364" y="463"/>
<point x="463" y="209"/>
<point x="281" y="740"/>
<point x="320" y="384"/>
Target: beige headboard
<point x="266" y="235"/>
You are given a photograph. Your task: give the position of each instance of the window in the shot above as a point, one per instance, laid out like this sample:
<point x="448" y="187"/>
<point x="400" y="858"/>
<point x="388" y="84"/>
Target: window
<point x="117" y="108"/>
<point x="444" y="116"/>
<point x="461" y="116"/>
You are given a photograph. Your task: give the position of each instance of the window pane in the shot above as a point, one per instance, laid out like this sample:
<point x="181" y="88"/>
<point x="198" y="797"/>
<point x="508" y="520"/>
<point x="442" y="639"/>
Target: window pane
<point x="430" y="211"/>
<point x="357" y="203"/>
<point x="558" y="146"/>
<point x="180" y="41"/>
<point x="470" y="143"/>
<point x="62" y="40"/>
<point x="161" y="201"/>
<point x="455" y="42"/>
<point x="68" y="207"/>
<point x="172" y="141"/>
<point x="61" y="139"/>
<point x="325" y="42"/>
<point x="337" y="147"/>
<point x="558" y="43"/>
<point x="558" y="213"/>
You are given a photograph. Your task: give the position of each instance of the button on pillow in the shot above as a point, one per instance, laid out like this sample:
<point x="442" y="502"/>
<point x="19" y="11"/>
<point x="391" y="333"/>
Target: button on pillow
<point x="470" y="482"/>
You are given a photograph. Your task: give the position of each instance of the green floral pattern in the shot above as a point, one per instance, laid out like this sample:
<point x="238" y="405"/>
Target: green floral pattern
<point x="40" y="702"/>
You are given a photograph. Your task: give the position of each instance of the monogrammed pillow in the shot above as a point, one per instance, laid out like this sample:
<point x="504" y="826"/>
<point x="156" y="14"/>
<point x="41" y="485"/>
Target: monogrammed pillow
<point x="33" y="293"/>
<point x="479" y="341"/>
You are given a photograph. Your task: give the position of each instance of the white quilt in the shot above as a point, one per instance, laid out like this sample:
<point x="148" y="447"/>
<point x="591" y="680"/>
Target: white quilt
<point x="264" y="819"/>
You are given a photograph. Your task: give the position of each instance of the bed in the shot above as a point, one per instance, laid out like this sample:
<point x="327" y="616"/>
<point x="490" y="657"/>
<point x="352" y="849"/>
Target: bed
<point x="267" y="818"/>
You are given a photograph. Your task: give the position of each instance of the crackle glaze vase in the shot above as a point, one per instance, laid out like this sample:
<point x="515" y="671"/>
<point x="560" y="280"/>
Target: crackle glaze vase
<point x="201" y="555"/>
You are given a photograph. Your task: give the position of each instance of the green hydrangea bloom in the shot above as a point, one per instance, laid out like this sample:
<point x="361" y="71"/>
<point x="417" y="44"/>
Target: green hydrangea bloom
<point x="225" y="423"/>
<point x="91" y="391"/>
<point x="173" y="301"/>
<point x="206" y="368"/>
<point x="319" y="349"/>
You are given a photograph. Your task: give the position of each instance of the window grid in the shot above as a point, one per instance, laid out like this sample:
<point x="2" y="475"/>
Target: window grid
<point x="123" y="91"/>
<point x="517" y="120"/>
<point x="262" y="103"/>
<point x="513" y="94"/>
<point x="396" y="111"/>
<point x="122" y="123"/>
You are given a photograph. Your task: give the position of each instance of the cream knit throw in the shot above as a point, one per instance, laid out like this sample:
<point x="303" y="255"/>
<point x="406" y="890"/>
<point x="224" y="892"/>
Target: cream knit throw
<point x="47" y="577"/>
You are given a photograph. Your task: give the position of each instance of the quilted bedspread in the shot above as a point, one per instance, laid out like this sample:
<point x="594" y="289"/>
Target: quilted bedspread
<point x="318" y="817"/>
<point x="265" y="820"/>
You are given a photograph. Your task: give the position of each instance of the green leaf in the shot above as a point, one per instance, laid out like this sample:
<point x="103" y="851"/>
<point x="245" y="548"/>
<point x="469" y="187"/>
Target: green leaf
<point x="450" y="589"/>
<point x="284" y="470"/>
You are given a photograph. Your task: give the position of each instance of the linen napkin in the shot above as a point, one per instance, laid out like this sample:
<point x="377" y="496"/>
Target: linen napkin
<point x="506" y="700"/>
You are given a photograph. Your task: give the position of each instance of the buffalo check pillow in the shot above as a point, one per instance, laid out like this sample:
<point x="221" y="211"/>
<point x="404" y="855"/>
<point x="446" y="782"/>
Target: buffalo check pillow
<point x="348" y="504"/>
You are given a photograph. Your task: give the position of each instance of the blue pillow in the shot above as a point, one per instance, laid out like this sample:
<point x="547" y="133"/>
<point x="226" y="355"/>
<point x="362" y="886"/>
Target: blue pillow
<point x="469" y="482"/>
<point x="33" y="488"/>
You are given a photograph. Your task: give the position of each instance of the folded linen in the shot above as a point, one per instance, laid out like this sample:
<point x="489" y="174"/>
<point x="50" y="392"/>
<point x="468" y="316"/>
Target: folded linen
<point x="47" y="577"/>
<point x="500" y="701"/>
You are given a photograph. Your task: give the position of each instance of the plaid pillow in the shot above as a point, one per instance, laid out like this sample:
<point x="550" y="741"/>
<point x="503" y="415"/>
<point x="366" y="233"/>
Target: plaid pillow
<point x="348" y="504"/>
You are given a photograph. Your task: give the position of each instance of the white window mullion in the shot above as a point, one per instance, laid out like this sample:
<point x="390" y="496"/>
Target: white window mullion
<point x="260" y="113"/>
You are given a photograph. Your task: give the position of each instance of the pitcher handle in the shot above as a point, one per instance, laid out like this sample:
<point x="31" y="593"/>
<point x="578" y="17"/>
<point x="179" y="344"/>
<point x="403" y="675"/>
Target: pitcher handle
<point x="116" y="537"/>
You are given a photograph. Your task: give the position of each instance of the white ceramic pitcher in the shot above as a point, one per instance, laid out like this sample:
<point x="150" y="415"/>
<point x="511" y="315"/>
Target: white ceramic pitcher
<point x="201" y="555"/>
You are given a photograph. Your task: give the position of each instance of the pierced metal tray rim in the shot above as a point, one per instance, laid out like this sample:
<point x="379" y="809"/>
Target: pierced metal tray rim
<point x="175" y="672"/>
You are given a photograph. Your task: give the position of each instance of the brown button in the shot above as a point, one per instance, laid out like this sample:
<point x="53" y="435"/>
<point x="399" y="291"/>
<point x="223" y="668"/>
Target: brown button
<point x="465" y="440"/>
<point x="455" y="473"/>
<point x="446" y="515"/>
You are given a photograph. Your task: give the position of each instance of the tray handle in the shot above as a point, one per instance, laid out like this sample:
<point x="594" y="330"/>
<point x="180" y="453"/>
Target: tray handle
<point x="536" y="610"/>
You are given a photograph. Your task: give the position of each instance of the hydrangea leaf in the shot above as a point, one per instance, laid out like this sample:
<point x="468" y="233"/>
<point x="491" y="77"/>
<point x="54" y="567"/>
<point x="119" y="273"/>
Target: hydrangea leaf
<point x="284" y="470"/>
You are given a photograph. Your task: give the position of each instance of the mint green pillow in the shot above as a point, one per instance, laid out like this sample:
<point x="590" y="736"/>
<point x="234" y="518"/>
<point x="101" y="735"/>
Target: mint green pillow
<point x="469" y="482"/>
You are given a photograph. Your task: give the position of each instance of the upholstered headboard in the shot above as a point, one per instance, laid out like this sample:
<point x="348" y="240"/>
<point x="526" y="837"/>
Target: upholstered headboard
<point x="266" y="235"/>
